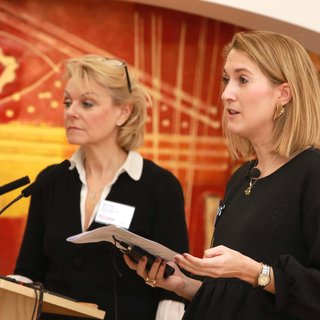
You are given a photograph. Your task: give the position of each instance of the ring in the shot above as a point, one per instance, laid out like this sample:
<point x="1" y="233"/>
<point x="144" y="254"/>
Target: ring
<point x="151" y="282"/>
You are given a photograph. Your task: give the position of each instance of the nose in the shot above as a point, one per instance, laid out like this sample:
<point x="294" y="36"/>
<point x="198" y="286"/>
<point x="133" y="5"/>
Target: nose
<point x="228" y="93"/>
<point x="72" y="110"/>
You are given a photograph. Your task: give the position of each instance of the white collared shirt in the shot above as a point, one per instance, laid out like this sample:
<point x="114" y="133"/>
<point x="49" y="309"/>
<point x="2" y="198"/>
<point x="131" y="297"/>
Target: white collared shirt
<point x="133" y="166"/>
<point x="167" y="309"/>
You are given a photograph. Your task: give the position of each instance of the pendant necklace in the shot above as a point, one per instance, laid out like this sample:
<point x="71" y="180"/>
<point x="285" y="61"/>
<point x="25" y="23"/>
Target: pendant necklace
<point x="252" y="182"/>
<point x="94" y="194"/>
<point x="254" y="174"/>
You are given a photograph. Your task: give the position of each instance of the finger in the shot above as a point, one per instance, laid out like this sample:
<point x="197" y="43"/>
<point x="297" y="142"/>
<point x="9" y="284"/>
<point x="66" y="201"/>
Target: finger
<point x="141" y="267"/>
<point x="154" y="268"/>
<point x="189" y="260"/>
<point x="161" y="269"/>
<point x="129" y="262"/>
<point x="213" y="252"/>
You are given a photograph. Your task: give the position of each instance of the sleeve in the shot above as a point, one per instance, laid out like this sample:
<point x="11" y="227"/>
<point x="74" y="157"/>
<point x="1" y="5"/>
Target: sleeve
<point x="170" y="228"/>
<point x="298" y="284"/>
<point x="32" y="261"/>
<point x="170" y="310"/>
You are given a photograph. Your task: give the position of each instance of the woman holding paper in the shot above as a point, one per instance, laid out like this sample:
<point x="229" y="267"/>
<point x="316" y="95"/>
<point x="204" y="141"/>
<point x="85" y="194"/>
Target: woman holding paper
<point x="264" y="262"/>
<point x="106" y="183"/>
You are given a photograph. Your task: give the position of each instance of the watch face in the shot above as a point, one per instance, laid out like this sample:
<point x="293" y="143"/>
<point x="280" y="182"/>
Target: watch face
<point x="263" y="280"/>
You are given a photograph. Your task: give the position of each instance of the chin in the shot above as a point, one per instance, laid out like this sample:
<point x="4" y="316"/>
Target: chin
<point x="73" y="140"/>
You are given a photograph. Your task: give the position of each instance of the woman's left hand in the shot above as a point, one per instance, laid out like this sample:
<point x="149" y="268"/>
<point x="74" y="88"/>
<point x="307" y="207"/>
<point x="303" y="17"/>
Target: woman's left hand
<point x="220" y="262"/>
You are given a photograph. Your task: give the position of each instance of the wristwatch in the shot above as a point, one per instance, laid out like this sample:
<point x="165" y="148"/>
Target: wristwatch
<point x="264" y="276"/>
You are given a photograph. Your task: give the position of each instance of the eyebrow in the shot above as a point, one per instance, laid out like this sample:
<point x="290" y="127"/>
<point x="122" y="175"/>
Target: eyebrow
<point x="88" y="93"/>
<point x="238" y="70"/>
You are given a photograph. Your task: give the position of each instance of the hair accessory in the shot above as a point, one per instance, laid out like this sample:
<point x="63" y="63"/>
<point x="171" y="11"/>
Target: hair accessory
<point x="279" y="111"/>
<point x="121" y="63"/>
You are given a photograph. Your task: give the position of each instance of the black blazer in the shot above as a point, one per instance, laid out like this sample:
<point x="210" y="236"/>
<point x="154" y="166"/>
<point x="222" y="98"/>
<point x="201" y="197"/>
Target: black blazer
<point x="96" y="272"/>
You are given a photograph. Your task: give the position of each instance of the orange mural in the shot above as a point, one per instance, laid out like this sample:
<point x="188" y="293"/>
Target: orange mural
<point x="176" y="56"/>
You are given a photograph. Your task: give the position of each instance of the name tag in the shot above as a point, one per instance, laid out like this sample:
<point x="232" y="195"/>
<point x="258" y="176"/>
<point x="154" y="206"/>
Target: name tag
<point x="115" y="213"/>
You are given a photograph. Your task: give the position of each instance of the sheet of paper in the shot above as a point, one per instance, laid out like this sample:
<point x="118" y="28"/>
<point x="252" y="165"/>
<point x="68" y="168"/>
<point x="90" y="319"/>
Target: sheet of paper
<point x="108" y="232"/>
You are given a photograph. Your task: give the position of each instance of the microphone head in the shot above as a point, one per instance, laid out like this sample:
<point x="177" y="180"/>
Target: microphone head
<point x="255" y="173"/>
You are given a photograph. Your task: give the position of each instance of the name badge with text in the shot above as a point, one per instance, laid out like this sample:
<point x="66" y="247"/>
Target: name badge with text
<point x="115" y="213"/>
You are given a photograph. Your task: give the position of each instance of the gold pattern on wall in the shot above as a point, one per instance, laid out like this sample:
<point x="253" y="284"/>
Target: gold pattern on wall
<point x="177" y="58"/>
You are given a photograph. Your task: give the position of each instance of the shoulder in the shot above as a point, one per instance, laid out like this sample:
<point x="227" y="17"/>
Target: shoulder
<point x="243" y="170"/>
<point x="55" y="170"/>
<point x="151" y="170"/>
<point x="308" y="161"/>
<point x="312" y="155"/>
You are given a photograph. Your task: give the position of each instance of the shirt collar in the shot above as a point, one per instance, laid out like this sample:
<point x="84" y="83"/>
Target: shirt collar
<point x="133" y="165"/>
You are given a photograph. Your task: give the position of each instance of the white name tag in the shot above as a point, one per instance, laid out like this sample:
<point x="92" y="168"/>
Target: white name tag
<point x="118" y="214"/>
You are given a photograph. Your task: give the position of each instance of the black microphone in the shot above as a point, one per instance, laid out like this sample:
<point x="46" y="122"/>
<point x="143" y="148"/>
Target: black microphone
<point x="254" y="173"/>
<point x="14" y="185"/>
<point x="39" y="183"/>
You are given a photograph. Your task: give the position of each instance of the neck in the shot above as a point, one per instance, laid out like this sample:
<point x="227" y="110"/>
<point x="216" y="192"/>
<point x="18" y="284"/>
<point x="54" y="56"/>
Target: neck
<point x="269" y="163"/>
<point x="101" y="167"/>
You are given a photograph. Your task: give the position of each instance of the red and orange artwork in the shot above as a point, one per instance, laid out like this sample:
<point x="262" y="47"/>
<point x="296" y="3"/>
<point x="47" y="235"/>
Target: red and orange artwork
<point x="176" y="57"/>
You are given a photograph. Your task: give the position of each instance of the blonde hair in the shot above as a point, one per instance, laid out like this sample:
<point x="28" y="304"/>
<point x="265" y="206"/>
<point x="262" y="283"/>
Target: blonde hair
<point x="282" y="60"/>
<point x="111" y="74"/>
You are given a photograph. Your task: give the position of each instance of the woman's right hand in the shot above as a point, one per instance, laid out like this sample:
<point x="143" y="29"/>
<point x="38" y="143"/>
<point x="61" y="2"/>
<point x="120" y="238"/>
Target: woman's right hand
<point x="176" y="282"/>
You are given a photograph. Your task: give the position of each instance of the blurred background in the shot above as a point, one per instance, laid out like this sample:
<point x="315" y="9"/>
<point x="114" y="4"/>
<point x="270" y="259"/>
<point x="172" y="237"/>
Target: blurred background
<point x="173" y="47"/>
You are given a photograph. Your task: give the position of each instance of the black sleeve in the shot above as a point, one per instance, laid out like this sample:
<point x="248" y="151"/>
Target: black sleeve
<point x="170" y="226"/>
<point x="298" y="284"/>
<point x="31" y="261"/>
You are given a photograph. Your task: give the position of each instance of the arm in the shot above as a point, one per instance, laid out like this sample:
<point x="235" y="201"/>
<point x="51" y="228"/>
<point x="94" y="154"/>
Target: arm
<point x="31" y="260"/>
<point x="179" y="283"/>
<point x="223" y="262"/>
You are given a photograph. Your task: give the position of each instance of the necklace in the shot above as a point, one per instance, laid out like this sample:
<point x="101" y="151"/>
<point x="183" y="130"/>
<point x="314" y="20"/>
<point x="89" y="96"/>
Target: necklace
<point x="93" y="194"/>
<point x="255" y="174"/>
<point x="252" y="182"/>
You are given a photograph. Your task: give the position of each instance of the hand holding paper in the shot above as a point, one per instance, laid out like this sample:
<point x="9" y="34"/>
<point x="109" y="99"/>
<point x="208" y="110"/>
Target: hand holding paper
<point x="132" y="244"/>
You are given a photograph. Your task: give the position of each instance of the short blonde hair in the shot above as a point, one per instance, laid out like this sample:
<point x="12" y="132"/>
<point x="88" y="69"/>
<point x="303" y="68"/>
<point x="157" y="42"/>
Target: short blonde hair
<point x="113" y="74"/>
<point x="282" y="60"/>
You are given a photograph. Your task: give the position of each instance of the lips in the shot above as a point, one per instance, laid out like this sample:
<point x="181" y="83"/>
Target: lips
<point x="232" y="111"/>
<point x="73" y="128"/>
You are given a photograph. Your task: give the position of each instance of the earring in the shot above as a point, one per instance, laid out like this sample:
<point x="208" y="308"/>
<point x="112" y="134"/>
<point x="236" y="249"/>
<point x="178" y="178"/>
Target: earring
<point x="119" y="124"/>
<point x="279" y="111"/>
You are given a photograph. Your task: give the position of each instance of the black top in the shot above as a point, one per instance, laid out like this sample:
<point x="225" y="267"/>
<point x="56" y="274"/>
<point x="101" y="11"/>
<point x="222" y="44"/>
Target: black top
<point x="96" y="272"/>
<point x="278" y="224"/>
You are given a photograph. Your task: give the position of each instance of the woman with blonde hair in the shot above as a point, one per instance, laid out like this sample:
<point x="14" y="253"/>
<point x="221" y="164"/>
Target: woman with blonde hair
<point x="264" y="262"/>
<point x="105" y="112"/>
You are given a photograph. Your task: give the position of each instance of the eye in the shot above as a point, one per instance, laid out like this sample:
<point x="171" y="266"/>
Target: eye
<point x="67" y="102"/>
<point x="225" y="80"/>
<point x="87" y="104"/>
<point x="243" y="79"/>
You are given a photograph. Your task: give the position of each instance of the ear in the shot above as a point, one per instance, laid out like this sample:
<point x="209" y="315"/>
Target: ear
<point x="125" y="112"/>
<point x="285" y="94"/>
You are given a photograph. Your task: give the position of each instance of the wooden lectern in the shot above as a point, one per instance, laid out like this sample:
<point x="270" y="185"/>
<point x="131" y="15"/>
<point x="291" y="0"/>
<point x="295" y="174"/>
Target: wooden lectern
<point x="17" y="302"/>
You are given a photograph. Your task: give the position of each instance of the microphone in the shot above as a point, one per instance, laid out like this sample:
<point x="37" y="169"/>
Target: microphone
<point x="39" y="183"/>
<point x="254" y="173"/>
<point x="14" y="185"/>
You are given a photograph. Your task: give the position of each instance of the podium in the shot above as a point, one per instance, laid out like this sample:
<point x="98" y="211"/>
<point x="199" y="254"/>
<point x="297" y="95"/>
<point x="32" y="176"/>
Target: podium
<point x="17" y="302"/>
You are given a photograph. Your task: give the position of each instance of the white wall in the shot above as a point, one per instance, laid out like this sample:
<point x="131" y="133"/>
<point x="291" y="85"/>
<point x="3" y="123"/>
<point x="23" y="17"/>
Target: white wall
<point x="297" y="18"/>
